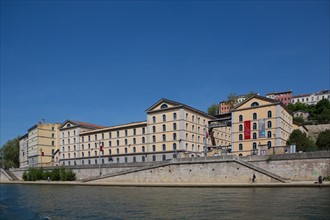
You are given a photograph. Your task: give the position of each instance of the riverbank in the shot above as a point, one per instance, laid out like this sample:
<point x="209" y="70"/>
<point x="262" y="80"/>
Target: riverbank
<point x="233" y="185"/>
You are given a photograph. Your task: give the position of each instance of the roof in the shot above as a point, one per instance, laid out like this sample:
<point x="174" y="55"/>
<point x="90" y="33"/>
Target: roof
<point x="276" y="93"/>
<point x="82" y="124"/>
<point x="114" y="127"/>
<point x="178" y="104"/>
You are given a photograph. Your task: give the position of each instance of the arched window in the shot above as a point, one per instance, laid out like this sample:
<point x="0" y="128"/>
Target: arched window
<point x="255" y="116"/>
<point x="126" y="142"/>
<point x="154" y="119"/>
<point x="117" y="150"/>
<point x="153" y="138"/>
<point x="174" y="146"/>
<point x="143" y="140"/>
<point x="174" y="126"/>
<point x="154" y="129"/>
<point x="164" y="157"/>
<point x="109" y="143"/>
<point x="134" y="159"/>
<point x="164" y="137"/>
<point x="254" y="126"/>
<point x="153" y="148"/>
<point x="240" y="128"/>
<point x="143" y="159"/>
<point x="254" y="145"/>
<point x="240" y="118"/>
<point x="164" y="147"/>
<point x="269" y="124"/>
<point x="174" y="116"/>
<point x="240" y="137"/>
<point x="254" y="104"/>
<point x="134" y="149"/>
<point x="269" y="114"/>
<point x="254" y="135"/>
<point x="269" y="144"/>
<point x="269" y="134"/>
<point x="174" y="136"/>
<point x="164" y="117"/>
<point x="163" y="106"/>
<point x="153" y="157"/>
<point x="164" y="127"/>
<point x="143" y="149"/>
<point x="240" y="147"/>
<point x="125" y="150"/>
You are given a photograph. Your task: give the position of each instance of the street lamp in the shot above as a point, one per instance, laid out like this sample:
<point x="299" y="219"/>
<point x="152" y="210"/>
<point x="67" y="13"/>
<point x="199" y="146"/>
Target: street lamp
<point x="100" y="149"/>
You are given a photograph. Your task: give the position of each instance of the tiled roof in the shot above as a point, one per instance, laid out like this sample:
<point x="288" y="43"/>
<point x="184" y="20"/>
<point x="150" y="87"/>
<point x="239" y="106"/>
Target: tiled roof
<point x="84" y="124"/>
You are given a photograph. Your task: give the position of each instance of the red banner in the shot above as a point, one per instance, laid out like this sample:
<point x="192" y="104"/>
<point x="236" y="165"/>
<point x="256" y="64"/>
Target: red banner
<point x="247" y="130"/>
<point x="42" y="154"/>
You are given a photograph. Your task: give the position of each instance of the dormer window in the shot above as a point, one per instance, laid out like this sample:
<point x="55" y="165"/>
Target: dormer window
<point x="69" y="125"/>
<point x="163" y="106"/>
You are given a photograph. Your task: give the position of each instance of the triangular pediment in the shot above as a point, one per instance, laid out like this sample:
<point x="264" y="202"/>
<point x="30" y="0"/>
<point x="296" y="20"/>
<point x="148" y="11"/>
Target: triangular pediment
<point x="68" y="124"/>
<point x="164" y="104"/>
<point x="256" y="101"/>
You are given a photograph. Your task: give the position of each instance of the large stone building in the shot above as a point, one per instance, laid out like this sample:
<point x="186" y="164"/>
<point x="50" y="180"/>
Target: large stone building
<point x="260" y="124"/>
<point x="172" y="129"/>
<point x="42" y="144"/>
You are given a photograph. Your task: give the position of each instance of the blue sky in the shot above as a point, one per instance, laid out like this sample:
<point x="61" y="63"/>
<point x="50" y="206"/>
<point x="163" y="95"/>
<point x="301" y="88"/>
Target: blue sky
<point x="106" y="62"/>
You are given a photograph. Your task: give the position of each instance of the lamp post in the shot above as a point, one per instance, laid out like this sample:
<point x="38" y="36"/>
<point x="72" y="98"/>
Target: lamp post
<point x="100" y="149"/>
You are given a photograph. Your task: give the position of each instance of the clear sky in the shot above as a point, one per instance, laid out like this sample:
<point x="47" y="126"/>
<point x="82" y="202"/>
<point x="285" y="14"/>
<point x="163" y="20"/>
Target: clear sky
<point x="106" y="62"/>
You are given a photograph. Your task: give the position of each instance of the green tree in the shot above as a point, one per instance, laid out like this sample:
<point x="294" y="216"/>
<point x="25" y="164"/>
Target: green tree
<point x="10" y="153"/>
<point x="323" y="140"/>
<point x="303" y="143"/>
<point x="232" y="100"/>
<point x="213" y="109"/>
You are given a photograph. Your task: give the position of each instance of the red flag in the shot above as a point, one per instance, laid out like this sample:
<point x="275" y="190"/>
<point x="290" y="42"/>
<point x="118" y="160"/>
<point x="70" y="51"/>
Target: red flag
<point x="247" y="130"/>
<point x="42" y="154"/>
<point x="101" y="148"/>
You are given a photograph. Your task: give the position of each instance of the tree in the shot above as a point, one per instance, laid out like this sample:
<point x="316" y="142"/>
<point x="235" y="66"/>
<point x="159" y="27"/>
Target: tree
<point x="10" y="153"/>
<point x="232" y="100"/>
<point x="303" y="143"/>
<point x="213" y="109"/>
<point x="323" y="140"/>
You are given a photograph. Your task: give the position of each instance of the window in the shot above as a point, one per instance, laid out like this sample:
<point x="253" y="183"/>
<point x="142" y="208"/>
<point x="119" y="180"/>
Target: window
<point x="89" y="138"/>
<point x="254" y="116"/>
<point x="154" y="119"/>
<point x="52" y="128"/>
<point x="143" y="140"/>
<point x="117" y="142"/>
<point x="95" y="137"/>
<point x="254" y="126"/>
<point x="134" y="159"/>
<point x="126" y="133"/>
<point x="163" y="106"/>
<point x="164" y="137"/>
<point x="269" y="124"/>
<point x="134" y="131"/>
<point x="126" y="160"/>
<point x="134" y="149"/>
<point x="164" y="127"/>
<point x="68" y="133"/>
<point x="174" y="146"/>
<point x="153" y="158"/>
<point x="240" y="137"/>
<point x="254" y="104"/>
<point x="109" y="135"/>
<point x="186" y="116"/>
<point x="109" y="143"/>
<point x="82" y="154"/>
<point x="110" y="152"/>
<point x="269" y="134"/>
<point x="174" y="136"/>
<point x="254" y="145"/>
<point x="102" y="136"/>
<point x="154" y="129"/>
<point x="240" y="118"/>
<point x="164" y="157"/>
<point x="143" y="159"/>
<point x="117" y="133"/>
<point x="89" y="153"/>
<point x="53" y="143"/>
<point x="240" y="128"/>
<point x="143" y="149"/>
<point x="269" y="144"/>
<point x="117" y="150"/>
<point x="153" y="148"/>
<point x="164" y="147"/>
<point x="174" y="116"/>
<point x="117" y="160"/>
<point x="153" y="138"/>
<point x="95" y="153"/>
<point x="82" y="139"/>
<point x="89" y="146"/>
<point x="143" y="130"/>
<point x="254" y="135"/>
<point x="82" y="146"/>
<point x="174" y="126"/>
<point x="269" y="114"/>
<point x="125" y="150"/>
<point x="164" y="117"/>
<point x="53" y="135"/>
<point x="134" y="141"/>
<point x="240" y="147"/>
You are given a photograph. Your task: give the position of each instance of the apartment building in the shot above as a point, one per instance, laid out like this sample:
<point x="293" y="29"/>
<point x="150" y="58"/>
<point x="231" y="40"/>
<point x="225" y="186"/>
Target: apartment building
<point x="311" y="99"/>
<point x="259" y="125"/>
<point x="284" y="97"/>
<point x="42" y="144"/>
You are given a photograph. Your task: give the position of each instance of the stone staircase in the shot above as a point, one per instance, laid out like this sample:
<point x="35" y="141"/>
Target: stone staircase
<point x="261" y="170"/>
<point x="9" y="175"/>
<point x="229" y="158"/>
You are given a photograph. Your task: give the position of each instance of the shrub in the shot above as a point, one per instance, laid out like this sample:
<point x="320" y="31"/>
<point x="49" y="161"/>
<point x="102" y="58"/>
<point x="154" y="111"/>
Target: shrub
<point x="33" y="174"/>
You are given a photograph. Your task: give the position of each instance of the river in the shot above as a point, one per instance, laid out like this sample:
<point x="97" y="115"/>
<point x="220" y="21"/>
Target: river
<point x="107" y="202"/>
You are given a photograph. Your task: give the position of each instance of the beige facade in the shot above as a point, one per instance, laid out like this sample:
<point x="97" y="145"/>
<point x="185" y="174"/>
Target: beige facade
<point x="23" y="151"/>
<point x="171" y="130"/>
<point x="69" y="141"/>
<point x="42" y="144"/>
<point x="260" y="125"/>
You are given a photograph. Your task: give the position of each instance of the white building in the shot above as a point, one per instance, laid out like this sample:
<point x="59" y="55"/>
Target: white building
<point x="311" y="99"/>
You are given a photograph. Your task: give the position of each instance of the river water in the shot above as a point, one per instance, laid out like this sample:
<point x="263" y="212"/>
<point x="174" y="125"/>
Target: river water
<point x="106" y="202"/>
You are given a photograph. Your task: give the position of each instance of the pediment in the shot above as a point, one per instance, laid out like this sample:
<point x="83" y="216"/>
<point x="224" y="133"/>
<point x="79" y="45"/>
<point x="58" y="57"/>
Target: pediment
<point x="163" y="104"/>
<point x="255" y="101"/>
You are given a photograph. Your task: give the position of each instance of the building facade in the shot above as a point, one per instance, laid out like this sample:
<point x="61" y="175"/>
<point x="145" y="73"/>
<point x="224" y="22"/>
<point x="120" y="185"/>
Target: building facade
<point x="23" y="151"/>
<point x="70" y="143"/>
<point x="260" y="124"/>
<point x="42" y="144"/>
<point x="311" y="99"/>
<point x="171" y="130"/>
<point x="284" y="97"/>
